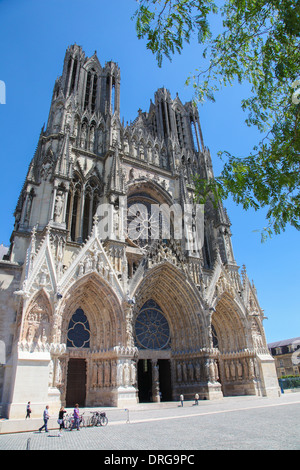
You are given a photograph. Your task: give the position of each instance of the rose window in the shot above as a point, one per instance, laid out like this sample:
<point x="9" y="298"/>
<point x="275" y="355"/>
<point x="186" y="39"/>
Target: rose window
<point x="151" y="327"/>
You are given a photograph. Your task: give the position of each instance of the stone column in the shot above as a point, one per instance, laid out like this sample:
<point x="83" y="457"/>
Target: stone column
<point x="155" y="381"/>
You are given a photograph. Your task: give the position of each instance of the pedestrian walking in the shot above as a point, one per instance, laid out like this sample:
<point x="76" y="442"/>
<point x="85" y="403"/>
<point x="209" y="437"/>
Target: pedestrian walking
<point x="196" y="398"/>
<point x="181" y="399"/>
<point x="28" y="410"/>
<point x="46" y="417"/>
<point x="60" y="420"/>
<point x="76" y="418"/>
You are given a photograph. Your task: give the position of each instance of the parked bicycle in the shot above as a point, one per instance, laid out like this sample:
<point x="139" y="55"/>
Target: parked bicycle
<point x="69" y="421"/>
<point x="82" y="421"/>
<point x="98" y="418"/>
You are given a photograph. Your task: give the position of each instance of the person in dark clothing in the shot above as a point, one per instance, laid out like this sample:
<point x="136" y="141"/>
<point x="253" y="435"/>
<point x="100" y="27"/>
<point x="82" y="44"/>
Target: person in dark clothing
<point x="28" y="410"/>
<point x="60" y="420"/>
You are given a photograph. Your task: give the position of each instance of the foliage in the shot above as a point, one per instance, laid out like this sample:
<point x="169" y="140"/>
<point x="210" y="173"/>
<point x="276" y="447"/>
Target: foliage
<point x="289" y="381"/>
<point x="257" y="43"/>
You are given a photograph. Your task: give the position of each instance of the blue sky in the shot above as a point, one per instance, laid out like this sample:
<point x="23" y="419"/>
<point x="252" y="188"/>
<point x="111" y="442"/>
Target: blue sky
<point x="34" y="35"/>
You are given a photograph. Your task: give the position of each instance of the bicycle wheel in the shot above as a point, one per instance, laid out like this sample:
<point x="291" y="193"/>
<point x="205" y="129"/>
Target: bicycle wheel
<point x="98" y="422"/>
<point x="82" y="423"/>
<point x="103" y="420"/>
<point x="68" y="423"/>
<point x="94" y="420"/>
<point x="88" y="421"/>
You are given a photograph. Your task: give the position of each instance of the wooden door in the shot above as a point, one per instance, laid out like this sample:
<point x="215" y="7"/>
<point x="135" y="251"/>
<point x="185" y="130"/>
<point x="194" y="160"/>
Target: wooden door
<point x="76" y="382"/>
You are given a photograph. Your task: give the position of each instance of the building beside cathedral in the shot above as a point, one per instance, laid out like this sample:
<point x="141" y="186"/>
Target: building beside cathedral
<point x="111" y="294"/>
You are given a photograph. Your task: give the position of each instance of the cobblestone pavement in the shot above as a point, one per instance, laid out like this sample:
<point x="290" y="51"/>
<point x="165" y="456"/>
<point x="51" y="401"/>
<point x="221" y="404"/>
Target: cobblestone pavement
<point x="235" y="423"/>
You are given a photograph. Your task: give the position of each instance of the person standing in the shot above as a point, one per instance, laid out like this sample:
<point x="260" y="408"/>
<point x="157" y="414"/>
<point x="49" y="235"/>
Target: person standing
<point x="60" y="420"/>
<point x="76" y="418"/>
<point x="28" y="410"/>
<point x="46" y="417"/>
<point x="181" y="399"/>
<point x="196" y="399"/>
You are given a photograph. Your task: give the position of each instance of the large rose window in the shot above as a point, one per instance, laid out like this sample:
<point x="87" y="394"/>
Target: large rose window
<point x="151" y="327"/>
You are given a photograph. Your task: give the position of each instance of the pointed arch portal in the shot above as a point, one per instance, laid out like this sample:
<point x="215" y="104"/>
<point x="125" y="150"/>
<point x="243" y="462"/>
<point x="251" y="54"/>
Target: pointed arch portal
<point x="168" y="324"/>
<point x="152" y="334"/>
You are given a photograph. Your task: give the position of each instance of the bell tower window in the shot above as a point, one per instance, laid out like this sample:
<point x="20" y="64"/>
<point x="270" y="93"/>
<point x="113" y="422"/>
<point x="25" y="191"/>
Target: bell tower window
<point x="68" y="75"/>
<point x="113" y="92"/>
<point x="73" y="208"/>
<point x="91" y="90"/>
<point x="71" y="76"/>
<point x="87" y="90"/>
<point x="94" y="94"/>
<point x="110" y="93"/>
<point x="72" y="86"/>
<point x="194" y="134"/>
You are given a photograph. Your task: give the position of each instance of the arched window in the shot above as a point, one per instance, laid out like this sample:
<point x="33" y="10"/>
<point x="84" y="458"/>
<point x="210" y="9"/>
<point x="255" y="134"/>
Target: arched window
<point x="194" y="134"/>
<point x="73" y="79"/>
<point x="82" y="203"/>
<point x="68" y="75"/>
<point x="164" y="119"/>
<point x="113" y="94"/>
<point x="71" y="75"/>
<point x="180" y="128"/>
<point x="87" y="90"/>
<point x="73" y="208"/>
<point x="78" y="331"/>
<point x="91" y="90"/>
<point x="110" y="93"/>
<point x="91" y="200"/>
<point x="94" y="94"/>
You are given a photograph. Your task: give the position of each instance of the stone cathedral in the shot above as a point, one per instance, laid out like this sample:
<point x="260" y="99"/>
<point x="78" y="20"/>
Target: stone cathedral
<point x="101" y="307"/>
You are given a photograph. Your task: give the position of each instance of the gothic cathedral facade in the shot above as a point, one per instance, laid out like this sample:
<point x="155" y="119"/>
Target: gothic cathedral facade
<point x="102" y="302"/>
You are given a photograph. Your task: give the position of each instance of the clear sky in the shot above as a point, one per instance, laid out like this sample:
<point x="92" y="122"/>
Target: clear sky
<point x="34" y="35"/>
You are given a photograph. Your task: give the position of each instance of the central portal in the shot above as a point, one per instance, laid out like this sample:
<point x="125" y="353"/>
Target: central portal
<point x="153" y="339"/>
<point x="146" y="372"/>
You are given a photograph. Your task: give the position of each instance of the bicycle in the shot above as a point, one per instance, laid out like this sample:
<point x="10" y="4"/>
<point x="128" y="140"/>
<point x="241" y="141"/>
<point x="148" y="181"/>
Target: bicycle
<point x="94" y="418"/>
<point x="68" y="419"/>
<point x="81" y="421"/>
<point x="102" y="419"/>
<point x="98" y="418"/>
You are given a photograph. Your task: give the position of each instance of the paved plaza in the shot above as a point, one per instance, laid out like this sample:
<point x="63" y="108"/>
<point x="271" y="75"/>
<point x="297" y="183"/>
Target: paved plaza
<point x="238" y="423"/>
